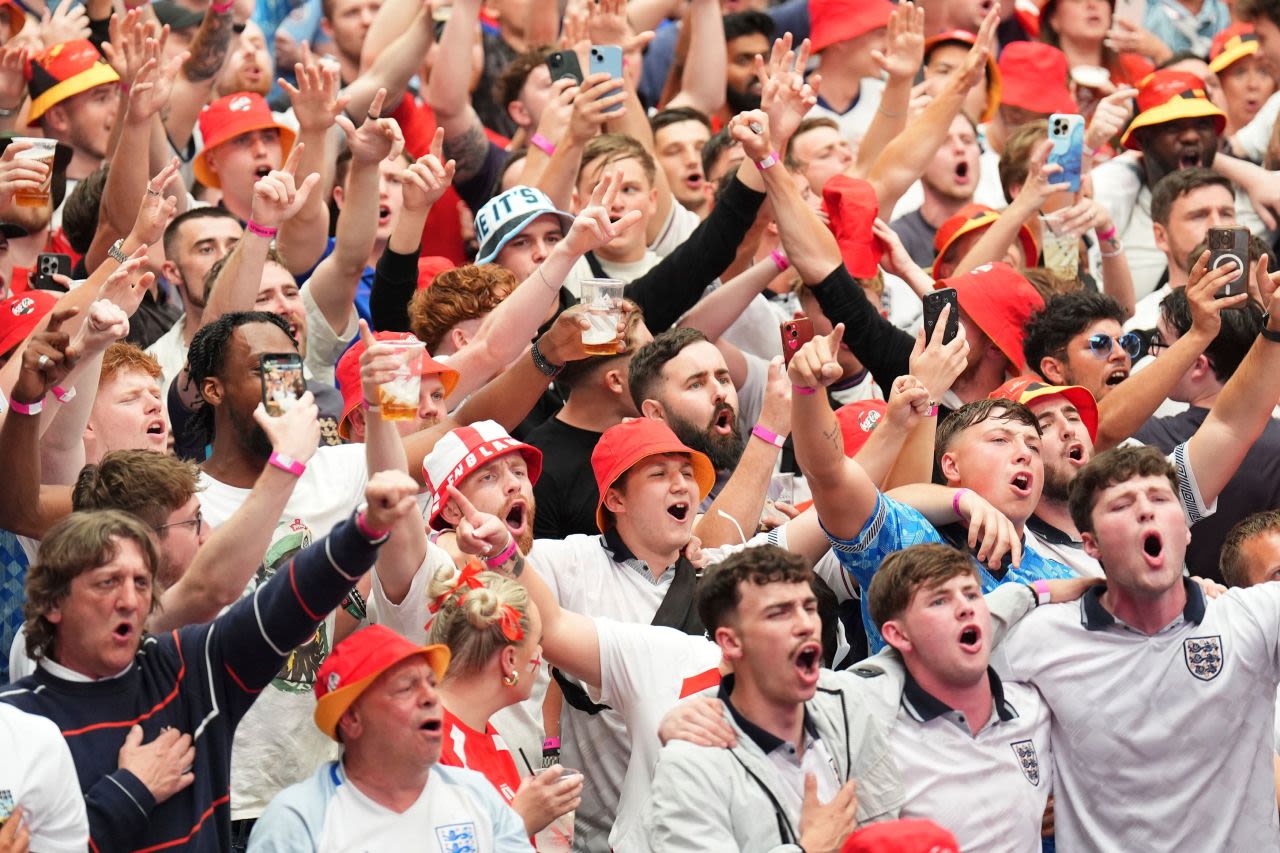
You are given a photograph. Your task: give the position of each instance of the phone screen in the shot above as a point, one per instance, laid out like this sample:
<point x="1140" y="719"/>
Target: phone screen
<point x="282" y="382"/>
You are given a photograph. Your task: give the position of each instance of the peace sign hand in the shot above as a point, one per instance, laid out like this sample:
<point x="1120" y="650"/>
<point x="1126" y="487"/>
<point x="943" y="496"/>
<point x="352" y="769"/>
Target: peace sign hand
<point x="479" y="533"/>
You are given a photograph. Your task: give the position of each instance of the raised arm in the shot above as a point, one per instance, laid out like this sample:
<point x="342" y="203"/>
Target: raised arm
<point x="569" y="640"/>
<point x="1128" y="406"/>
<point x="843" y="494"/>
<point x="333" y="284"/>
<point x="226" y="562"/>
<point x="900" y="60"/>
<point x="705" y="75"/>
<point x="194" y="86"/>
<point x="393" y="66"/>
<point x="449" y="96"/>
<point x="717" y="311"/>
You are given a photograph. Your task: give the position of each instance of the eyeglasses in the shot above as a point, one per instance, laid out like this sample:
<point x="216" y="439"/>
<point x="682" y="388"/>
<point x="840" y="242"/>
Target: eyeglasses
<point x="1100" y="344"/>
<point x="198" y="521"/>
<point x="1156" y="344"/>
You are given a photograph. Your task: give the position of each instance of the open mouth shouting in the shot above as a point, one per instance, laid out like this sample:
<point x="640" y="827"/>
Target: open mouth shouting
<point x="384" y="214"/>
<point x="724" y="421"/>
<point x="807" y="660"/>
<point x="261" y="172"/>
<point x="1021" y="483"/>
<point x="1075" y="454"/>
<point x="517" y="518"/>
<point x="156" y="431"/>
<point x="123" y="633"/>
<point x="1153" y="549"/>
<point x="1188" y="158"/>
<point x="693" y="180"/>
<point x="1116" y="376"/>
<point x="970" y="639"/>
<point x="962" y="172"/>
<point x="432" y="726"/>
<point x="679" y="511"/>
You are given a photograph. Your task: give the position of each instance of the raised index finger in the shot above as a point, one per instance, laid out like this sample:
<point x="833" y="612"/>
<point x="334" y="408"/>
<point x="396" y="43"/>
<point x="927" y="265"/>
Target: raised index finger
<point x="291" y="164"/>
<point x="375" y="106"/>
<point x="469" y="512"/>
<point x="60" y="316"/>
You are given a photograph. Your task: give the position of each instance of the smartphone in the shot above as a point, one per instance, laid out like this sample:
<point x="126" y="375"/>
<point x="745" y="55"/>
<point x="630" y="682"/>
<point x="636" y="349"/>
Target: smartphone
<point x="564" y="63"/>
<point x="49" y="264"/>
<point x="1133" y="11"/>
<point x="1230" y="244"/>
<point x="933" y="303"/>
<point x="607" y="58"/>
<point x="795" y="334"/>
<point x="282" y="382"/>
<point x="1066" y="132"/>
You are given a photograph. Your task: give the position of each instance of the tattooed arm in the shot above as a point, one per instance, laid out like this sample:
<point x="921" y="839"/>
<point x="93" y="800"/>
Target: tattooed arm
<point x="193" y="87"/>
<point x="464" y="138"/>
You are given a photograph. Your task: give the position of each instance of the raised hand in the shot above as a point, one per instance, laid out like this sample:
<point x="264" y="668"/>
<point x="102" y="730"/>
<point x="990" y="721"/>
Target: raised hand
<point x="785" y="96"/>
<point x="1203" y="286"/>
<point x="592" y="227"/>
<point x="276" y="197"/>
<point x="126" y="286"/>
<point x="377" y="138"/>
<point x="1037" y="189"/>
<point x="775" y="413"/>
<point x="562" y="343"/>
<point x="126" y="48"/>
<point x="19" y="173"/>
<point x="154" y="83"/>
<point x="46" y="359"/>
<point x="429" y="177"/>
<point x="814" y="365"/>
<point x="1264" y="284"/>
<point x="904" y="43"/>
<point x="825" y="826"/>
<point x="607" y="22"/>
<point x="480" y="534"/>
<point x="391" y="496"/>
<point x="699" y="720"/>
<point x="296" y="433"/>
<point x="969" y="73"/>
<point x="936" y="364"/>
<point x="597" y="94"/>
<point x="1110" y="117"/>
<point x="105" y="324"/>
<point x="13" y="76"/>
<point x="558" y="113"/>
<point x="162" y="766"/>
<point x="751" y="128"/>
<point x="377" y="364"/>
<point x="63" y="24"/>
<point x="157" y="208"/>
<point x="908" y="402"/>
<point x="316" y="99"/>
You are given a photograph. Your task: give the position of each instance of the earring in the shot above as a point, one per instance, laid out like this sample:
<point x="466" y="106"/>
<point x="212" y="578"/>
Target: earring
<point x="511" y="680"/>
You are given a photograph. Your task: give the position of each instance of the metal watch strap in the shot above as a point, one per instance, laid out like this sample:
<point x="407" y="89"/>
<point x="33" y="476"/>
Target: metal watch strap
<point x="116" y="253"/>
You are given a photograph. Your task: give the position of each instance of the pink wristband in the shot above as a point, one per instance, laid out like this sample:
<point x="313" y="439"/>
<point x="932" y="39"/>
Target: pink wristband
<point x="542" y="142"/>
<point x="261" y="230"/>
<point x="780" y="260"/>
<point x="1043" y="595"/>
<point x="64" y="395"/>
<point x="801" y="389"/>
<point x="1109" y="234"/>
<point x="362" y="524"/>
<point x="769" y="436"/>
<point x="286" y="463"/>
<point x="497" y="561"/>
<point x="27" y="408"/>
<point x="955" y="500"/>
<point x="769" y="161"/>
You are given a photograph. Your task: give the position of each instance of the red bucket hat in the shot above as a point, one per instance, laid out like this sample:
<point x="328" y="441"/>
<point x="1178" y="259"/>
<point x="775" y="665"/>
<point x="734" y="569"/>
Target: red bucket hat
<point x="17" y="17"/>
<point x="834" y="21"/>
<point x="999" y="302"/>
<point x="1167" y="96"/>
<point x="857" y="420"/>
<point x="348" y="375"/>
<point x="231" y="116"/>
<point x="1034" y="77"/>
<point x="901" y="836"/>
<point x="65" y="70"/>
<point x="625" y="444"/>
<point x="430" y="266"/>
<point x="465" y="449"/>
<point x="1024" y="389"/>
<point x="1231" y="45"/>
<point x="20" y="315"/>
<point x="974" y="217"/>
<point x="356" y="662"/>
<point x="852" y="207"/>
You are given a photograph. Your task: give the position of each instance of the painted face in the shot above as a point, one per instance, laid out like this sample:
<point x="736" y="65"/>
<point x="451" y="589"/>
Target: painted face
<point x="700" y="403"/>
<point x="1139" y="536"/>
<point x="1000" y="460"/>
<point x="529" y="653"/>
<point x="946" y="629"/>
<point x="98" y="626"/>
<point x="657" y="501"/>
<point x="128" y="414"/>
<point x="399" y="713"/>
<point x="775" y="641"/>
<point x="679" y="154"/>
<point x="501" y="487"/>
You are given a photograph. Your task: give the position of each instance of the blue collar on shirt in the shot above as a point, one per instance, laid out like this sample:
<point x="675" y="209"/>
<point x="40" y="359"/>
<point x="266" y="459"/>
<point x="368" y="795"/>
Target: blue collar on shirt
<point x="1096" y="617"/>
<point x="924" y="706"/>
<point x="767" y="741"/>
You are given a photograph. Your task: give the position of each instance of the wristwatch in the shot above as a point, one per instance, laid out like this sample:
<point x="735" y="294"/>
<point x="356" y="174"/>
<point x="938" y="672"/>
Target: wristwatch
<point x="548" y="368"/>
<point x="116" y="253"/>
<point x="1274" y="337"/>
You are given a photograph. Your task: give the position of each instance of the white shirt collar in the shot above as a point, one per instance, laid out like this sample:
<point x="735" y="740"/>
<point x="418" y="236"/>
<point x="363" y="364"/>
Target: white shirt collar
<point x="58" y="670"/>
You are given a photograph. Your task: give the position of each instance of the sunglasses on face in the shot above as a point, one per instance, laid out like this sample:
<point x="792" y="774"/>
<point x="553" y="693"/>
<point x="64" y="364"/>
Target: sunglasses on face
<point x="1101" y="343"/>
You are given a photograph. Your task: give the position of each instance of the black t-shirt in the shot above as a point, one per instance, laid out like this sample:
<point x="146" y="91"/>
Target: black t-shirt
<point x="566" y="492"/>
<point x="1255" y="487"/>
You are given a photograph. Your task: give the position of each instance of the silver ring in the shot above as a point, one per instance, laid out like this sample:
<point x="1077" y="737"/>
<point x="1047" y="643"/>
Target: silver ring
<point x="44" y="361"/>
<point x="152" y="192"/>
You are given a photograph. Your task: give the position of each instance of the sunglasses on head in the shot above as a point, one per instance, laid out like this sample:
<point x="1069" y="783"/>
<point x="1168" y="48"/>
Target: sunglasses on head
<point x="1100" y="344"/>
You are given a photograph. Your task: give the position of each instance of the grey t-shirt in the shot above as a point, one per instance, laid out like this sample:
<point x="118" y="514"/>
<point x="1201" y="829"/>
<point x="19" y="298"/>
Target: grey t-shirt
<point x="917" y="236"/>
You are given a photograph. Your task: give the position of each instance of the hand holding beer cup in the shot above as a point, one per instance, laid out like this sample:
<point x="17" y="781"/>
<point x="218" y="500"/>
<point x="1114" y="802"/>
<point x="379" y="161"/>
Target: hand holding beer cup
<point x="26" y="172"/>
<point x="391" y="375"/>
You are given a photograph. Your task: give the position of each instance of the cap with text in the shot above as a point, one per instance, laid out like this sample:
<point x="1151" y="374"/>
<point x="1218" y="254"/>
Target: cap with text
<point x="456" y="456"/>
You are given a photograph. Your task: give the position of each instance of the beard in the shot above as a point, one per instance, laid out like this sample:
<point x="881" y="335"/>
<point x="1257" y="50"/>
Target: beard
<point x="250" y="437"/>
<point x="1057" y="485"/>
<point x="724" y="451"/>
<point x="740" y="102"/>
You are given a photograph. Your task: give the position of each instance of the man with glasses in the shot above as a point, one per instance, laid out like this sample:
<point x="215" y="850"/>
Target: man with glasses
<point x="1077" y="339"/>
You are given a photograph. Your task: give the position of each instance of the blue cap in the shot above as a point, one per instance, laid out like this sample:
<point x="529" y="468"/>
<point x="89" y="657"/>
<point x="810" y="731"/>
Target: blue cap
<point x="506" y="215"/>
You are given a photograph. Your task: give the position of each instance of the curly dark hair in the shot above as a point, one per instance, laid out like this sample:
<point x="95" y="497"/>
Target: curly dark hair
<point x="1062" y="318"/>
<point x="207" y="357"/>
<point x="720" y="593"/>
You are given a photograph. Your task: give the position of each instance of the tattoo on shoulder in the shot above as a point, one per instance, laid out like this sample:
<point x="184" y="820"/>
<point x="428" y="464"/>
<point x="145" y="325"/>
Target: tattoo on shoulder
<point x="209" y="49"/>
<point x="469" y="151"/>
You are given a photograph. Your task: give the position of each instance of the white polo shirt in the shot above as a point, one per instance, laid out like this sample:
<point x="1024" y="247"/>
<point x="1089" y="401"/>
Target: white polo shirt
<point x="1161" y="742"/>
<point x="37" y="773"/>
<point x="988" y="789"/>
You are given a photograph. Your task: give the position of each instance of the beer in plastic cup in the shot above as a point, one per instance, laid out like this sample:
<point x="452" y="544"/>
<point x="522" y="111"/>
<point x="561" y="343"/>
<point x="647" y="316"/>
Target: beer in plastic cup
<point x="398" y="398"/>
<point x="43" y="150"/>
<point x="1061" y="247"/>
<point x="602" y="297"/>
<point x="558" y="835"/>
